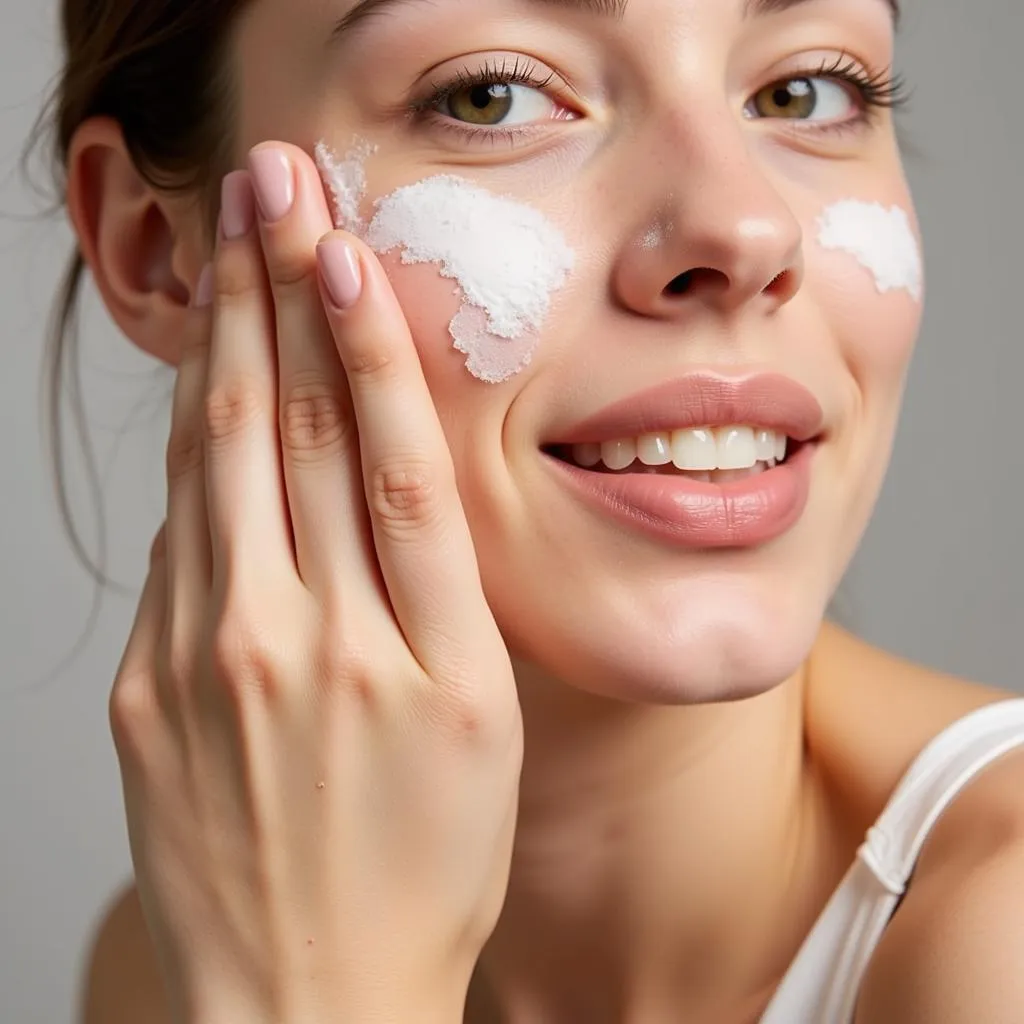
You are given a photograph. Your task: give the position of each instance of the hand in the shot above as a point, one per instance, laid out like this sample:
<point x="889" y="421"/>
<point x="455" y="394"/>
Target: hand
<point x="316" y="719"/>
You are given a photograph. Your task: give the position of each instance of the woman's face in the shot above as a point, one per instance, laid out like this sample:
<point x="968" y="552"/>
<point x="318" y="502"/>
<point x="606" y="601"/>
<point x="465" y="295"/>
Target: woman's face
<point x="688" y="152"/>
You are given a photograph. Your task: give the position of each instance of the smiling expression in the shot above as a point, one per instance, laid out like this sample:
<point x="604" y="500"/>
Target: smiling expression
<point x="687" y="151"/>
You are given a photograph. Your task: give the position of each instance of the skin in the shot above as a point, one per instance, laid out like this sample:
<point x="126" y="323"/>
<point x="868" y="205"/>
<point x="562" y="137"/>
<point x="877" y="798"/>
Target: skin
<point x="683" y="815"/>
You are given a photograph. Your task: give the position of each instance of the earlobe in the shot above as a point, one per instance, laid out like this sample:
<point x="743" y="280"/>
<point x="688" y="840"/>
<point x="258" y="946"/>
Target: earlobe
<point x="138" y="243"/>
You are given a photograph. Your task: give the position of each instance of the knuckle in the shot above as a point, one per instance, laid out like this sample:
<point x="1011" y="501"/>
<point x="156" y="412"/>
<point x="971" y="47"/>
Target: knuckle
<point x="235" y="277"/>
<point x="230" y="409"/>
<point x="195" y="351"/>
<point x="371" y="365"/>
<point x="290" y="271"/>
<point x="347" y="670"/>
<point x="184" y="451"/>
<point x="313" y="420"/>
<point x="244" y="663"/>
<point x="458" y="713"/>
<point x="130" y="712"/>
<point x="405" y="495"/>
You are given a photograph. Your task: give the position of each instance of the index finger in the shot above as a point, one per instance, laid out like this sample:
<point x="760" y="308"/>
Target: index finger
<point x="423" y="542"/>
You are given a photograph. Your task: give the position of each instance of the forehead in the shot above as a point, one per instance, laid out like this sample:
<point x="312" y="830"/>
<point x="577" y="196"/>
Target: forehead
<point x="360" y="10"/>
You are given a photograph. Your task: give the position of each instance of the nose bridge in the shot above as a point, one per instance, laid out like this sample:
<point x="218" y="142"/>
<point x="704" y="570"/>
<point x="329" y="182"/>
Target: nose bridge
<point x="711" y="211"/>
<point x="723" y="203"/>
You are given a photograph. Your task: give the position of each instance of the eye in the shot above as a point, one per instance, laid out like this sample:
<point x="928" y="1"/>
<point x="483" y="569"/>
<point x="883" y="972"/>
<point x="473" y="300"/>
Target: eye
<point x="490" y="104"/>
<point x="805" y="99"/>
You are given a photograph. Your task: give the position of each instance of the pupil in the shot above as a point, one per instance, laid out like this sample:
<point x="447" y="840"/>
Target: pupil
<point x="483" y="95"/>
<point x="783" y="97"/>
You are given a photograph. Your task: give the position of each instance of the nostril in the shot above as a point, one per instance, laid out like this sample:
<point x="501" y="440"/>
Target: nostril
<point x="680" y="285"/>
<point x="781" y="285"/>
<point x="685" y="283"/>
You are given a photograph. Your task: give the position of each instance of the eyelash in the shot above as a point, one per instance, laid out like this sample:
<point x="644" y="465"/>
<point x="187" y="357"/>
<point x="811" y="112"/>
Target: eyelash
<point x="878" y="91"/>
<point x="522" y="72"/>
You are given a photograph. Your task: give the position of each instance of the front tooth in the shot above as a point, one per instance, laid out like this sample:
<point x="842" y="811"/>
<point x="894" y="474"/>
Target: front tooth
<point x="736" y="448"/>
<point x="781" y="441"/>
<point x="695" y="450"/>
<point x="586" y="455"/>
<point x="655" y="449"/>
<point x="618" y="454"/>
<point x="765" y="442"/>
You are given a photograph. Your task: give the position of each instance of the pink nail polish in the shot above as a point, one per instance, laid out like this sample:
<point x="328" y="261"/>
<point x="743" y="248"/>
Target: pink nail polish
<point x="203" y="296"/>
<point x="238" y="205"/>
<point x="274" y="181"/>
<point x="339" y="264"/>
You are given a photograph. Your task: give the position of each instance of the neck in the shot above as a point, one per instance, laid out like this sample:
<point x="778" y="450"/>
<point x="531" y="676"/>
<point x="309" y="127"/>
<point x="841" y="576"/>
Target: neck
<point x="662" y="859"/>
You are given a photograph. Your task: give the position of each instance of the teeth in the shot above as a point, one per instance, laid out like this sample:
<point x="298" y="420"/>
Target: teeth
<point x="655" y="449"/>
<point x="586" y="455"/>
<point x="766" y="444"/>
<point x="618" y="454"/>
<point x="699" y="450"/>
<point x="736" y="448"/>
<point x="695" y="449"/>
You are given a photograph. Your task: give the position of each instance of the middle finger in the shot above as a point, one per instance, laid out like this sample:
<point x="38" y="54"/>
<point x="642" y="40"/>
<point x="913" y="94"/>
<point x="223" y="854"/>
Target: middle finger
<point x="333" y="537"/>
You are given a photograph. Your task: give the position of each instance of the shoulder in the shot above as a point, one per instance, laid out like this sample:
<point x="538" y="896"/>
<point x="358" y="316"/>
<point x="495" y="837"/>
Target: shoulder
<point x="122" y="983"/>
<point x="953" y="952"/>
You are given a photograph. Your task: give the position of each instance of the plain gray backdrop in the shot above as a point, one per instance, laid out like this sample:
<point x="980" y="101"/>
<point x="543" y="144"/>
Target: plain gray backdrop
<point x="939" y="576"/>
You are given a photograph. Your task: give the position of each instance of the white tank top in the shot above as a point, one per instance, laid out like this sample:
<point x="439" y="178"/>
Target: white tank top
<point x="822" y="984"/>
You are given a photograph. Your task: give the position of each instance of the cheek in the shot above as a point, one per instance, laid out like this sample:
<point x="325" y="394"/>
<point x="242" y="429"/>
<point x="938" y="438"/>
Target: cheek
<point x="430" y="302"/>
<point x="864" y="264"/>
<point x="472" y="413"/>
<point x="876" y="332"/>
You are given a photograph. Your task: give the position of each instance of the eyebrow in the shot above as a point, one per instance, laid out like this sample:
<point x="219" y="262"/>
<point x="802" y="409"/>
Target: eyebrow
<point x="614" y="9"/>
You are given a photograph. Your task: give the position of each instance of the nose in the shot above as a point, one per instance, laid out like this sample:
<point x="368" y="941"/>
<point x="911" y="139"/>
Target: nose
<point x="722" y="239"/>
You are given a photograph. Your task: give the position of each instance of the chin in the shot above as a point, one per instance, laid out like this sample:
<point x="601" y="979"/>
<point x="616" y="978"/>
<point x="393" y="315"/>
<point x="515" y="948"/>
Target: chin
<point x="696" y="641"/>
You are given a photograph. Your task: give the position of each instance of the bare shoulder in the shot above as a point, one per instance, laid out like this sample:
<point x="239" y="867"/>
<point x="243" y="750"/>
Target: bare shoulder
<point x="122" y="984"/>
<point x="953" y="951"/>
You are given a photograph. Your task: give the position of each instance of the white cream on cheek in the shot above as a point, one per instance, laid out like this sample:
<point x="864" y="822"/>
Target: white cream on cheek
<point x="880" y="239"/>
<point x="507" y="258"/>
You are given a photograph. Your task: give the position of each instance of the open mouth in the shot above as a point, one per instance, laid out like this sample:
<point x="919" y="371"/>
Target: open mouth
<point x="705" y="454"/>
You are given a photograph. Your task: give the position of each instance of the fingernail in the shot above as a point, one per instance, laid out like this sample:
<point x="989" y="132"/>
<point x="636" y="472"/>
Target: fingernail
<point x="238" y="205"/>
<point x="204" y="288"/>
<point x="339" y="264"/>
<point x="274" y="181"/>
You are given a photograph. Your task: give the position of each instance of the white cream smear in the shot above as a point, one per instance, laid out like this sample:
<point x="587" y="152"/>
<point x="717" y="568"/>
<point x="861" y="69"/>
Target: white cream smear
<point x="881" y="240"/>
<point x="507" y="258"/>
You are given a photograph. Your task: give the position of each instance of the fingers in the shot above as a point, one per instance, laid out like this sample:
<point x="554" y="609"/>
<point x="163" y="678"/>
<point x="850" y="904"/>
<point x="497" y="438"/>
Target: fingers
<point x="421" y="535"/>
<point x="187" y="532"/>
<point x="250" y="530"/>
<point x="319" y="450"/>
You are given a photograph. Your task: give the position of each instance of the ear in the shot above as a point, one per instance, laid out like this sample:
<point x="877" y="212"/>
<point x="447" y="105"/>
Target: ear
<point x="145" y="248"/>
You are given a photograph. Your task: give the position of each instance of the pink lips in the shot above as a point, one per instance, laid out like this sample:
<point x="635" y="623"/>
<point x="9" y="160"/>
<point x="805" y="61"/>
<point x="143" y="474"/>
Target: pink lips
<point x="683" y="512"/>
<point x="767" y="400"/>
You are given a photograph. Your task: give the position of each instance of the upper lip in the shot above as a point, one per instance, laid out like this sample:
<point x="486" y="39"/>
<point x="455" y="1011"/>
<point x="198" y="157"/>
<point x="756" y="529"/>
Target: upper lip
<point x="767" y="400"/>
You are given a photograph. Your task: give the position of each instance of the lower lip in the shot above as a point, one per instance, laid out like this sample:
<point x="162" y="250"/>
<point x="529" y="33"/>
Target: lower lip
<point x="688" y="513"/>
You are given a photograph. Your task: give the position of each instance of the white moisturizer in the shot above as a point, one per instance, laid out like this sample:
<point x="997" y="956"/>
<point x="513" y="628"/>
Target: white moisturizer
<point x="880" y="239"/>
<point x="506" y="258"/>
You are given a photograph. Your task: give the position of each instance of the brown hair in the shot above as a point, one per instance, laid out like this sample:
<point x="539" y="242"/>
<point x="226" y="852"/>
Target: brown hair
<point x="160" y="68"/>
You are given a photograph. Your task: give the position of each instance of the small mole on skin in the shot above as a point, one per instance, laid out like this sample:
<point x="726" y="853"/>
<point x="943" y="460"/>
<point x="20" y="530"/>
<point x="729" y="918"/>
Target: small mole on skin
<point x="321" y="785"/>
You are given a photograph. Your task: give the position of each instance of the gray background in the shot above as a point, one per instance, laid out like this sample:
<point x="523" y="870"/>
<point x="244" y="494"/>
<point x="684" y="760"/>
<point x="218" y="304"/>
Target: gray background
<point x="939" y="577"/>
